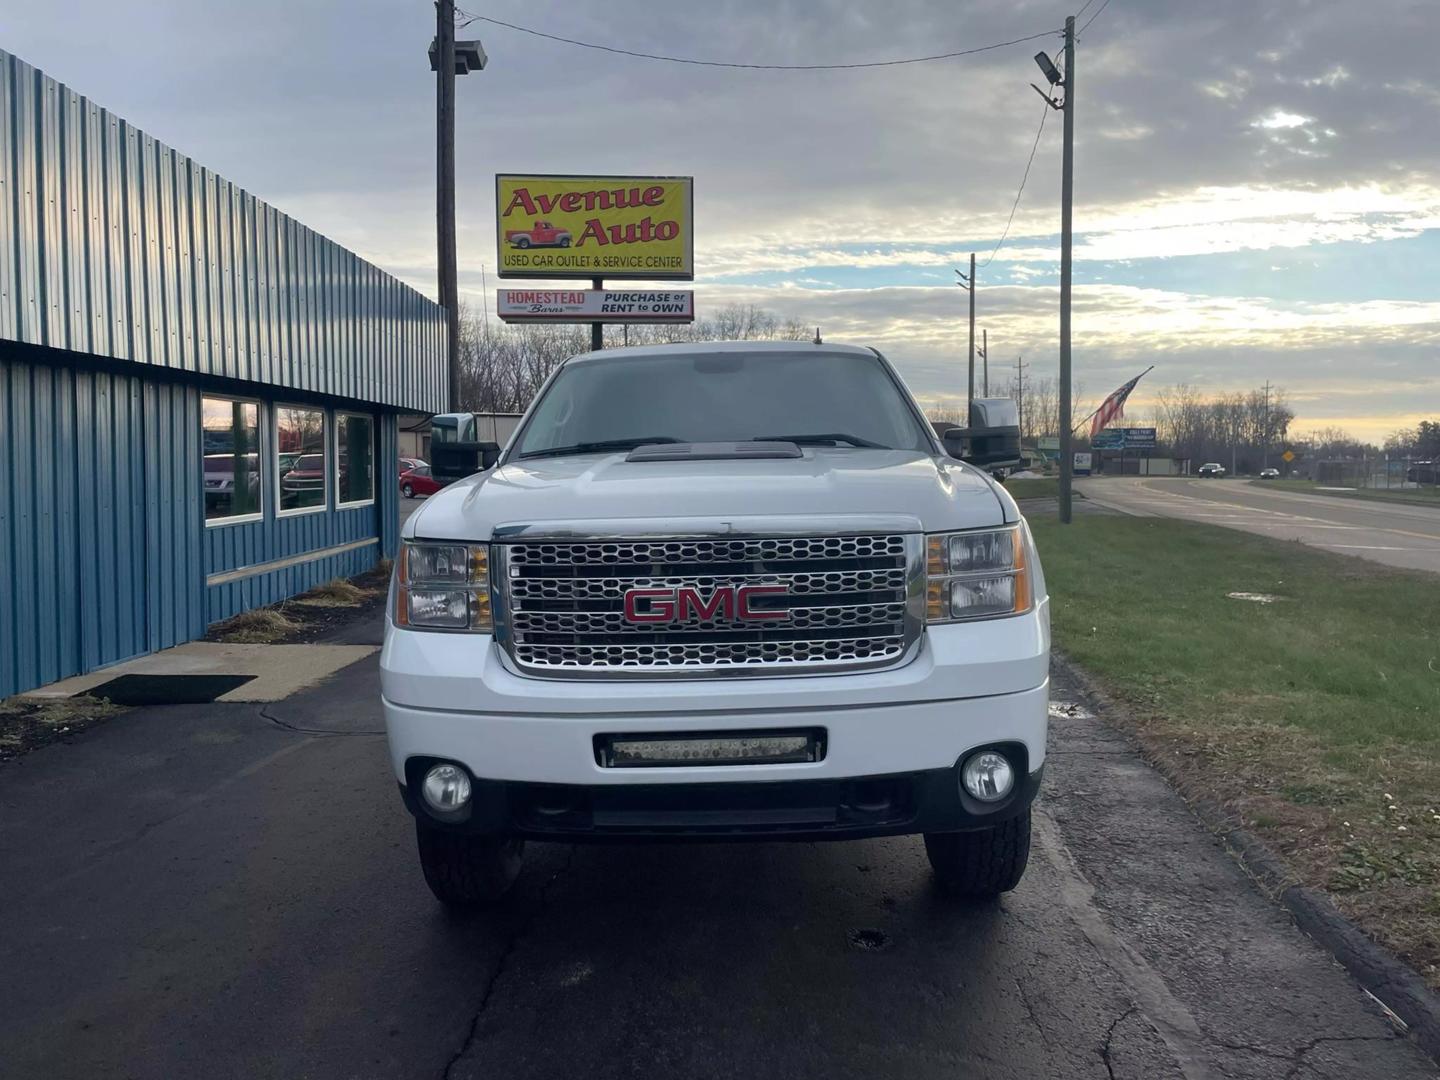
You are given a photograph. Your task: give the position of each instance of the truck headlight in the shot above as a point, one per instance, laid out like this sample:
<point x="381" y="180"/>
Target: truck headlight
<point x="976" y="575"/>
<point x="443" y="587"/>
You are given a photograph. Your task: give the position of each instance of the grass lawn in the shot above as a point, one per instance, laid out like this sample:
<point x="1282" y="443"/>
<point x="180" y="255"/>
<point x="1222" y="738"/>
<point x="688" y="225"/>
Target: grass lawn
<point x="1315" y="718"/>
<point x="1039" y="487"/>
<point x="1425" y="496"/>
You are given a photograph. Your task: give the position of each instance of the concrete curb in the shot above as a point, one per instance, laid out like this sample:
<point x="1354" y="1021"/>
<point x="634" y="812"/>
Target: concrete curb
<point x="1385" y="976"/>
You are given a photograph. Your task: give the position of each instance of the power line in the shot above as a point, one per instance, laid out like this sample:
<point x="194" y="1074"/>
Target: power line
<point x="1092" y="18"/>
<point x="1082" y="10"/>
<point x="1016" y="204"/>
<point x="472" y="17"/>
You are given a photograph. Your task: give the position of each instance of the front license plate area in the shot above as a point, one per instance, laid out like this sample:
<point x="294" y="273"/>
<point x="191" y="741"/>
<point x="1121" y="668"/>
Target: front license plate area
<point x="706" y="748"/>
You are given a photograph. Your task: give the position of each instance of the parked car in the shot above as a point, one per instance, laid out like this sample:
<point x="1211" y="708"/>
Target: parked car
<point x="307" y="474"/>
<point x="1269" y="474"/>
<point x="417" y="482"/>
<point x="408" y="463"/>
<point x="541" y="234"/>
<point x="565" y="628"/>
<point x="1211" y="469"/>
<point x="1424" y="472"/>
<point x="220" y="482"/>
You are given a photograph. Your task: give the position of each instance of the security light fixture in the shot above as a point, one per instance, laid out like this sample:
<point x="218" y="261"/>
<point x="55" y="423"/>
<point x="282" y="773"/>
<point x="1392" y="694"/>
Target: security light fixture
<point x="469" y="56"/>
<point x="1047" y="66"/>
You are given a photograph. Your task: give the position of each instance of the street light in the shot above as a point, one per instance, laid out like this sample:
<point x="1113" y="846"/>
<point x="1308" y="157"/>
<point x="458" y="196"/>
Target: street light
<point x="1048" y="69"/>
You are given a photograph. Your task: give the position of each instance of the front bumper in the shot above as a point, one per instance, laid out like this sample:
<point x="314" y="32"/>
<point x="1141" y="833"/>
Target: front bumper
<point x="921" y="802"/>
<point x="901" y="731"/>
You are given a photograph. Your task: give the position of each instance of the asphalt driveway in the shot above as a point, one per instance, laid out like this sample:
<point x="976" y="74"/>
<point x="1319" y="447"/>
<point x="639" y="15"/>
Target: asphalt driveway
<point x="231" y="891"/>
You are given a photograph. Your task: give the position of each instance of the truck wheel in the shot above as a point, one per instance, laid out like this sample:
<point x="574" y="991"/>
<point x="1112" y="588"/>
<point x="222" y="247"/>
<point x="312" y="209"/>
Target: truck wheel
<point x="565" y="241"/>
<point x="468" y="871"/>
<point x="983" y="863"/>
<point x="522" y="243"/>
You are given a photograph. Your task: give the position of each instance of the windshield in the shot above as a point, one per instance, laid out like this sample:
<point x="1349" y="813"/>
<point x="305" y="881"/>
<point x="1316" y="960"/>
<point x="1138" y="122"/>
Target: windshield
<point x="839" y="400"/>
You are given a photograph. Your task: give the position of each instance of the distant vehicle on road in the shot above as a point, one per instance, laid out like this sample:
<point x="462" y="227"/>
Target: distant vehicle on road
<point x="417" y="482"/>
<point x="1424" y="472"/>
<point x="408" y="463"/>
<point x="541" y="234"/>
<point x="1211" y="469"/>
<point x="1269" y="474"/>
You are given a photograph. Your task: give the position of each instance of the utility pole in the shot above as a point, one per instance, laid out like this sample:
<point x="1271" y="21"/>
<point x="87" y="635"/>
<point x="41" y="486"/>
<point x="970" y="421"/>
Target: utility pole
<point x="1067" y="198"/>
<point x="597" y="330"/>
<point x="1265" y="449"/>
<point x="985" y="358"/>
<point x="445" y="189"/>
<point x="1020" y="392"/>
<point x="968" y="284"/>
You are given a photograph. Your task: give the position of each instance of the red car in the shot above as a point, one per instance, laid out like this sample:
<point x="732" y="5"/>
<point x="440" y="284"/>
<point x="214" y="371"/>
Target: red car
<point x="408" y="463"/>
<point x="418" y="482"/>
<point x="542" y="234"/>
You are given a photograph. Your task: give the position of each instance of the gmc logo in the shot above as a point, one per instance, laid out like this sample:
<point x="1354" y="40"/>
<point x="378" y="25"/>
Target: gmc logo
<point x="682" y="605"/>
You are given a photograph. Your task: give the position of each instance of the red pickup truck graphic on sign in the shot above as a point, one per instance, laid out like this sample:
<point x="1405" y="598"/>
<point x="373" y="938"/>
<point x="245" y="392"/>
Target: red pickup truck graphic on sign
<point x="541" y="234"/>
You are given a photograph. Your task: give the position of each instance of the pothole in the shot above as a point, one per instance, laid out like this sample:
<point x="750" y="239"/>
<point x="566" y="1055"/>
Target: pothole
<point x="1254" y="597"/>
<point x="869" y="940"/>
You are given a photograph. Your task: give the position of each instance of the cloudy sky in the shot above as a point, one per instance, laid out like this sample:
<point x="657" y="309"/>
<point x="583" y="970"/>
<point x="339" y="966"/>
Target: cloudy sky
<point x="1257" y="181"/>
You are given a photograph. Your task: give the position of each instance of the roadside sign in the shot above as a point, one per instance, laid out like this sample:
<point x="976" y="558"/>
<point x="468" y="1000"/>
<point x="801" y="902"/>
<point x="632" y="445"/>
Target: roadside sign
<point x="1082" y="463"/>
<point x="595" y="226"/>
<point x="1288" y="456"/>
<point x="595" y="305"/>
<point x="1109" y="439"/>
<point x="1139" y="438"/>
<point x="1048" y="442"/>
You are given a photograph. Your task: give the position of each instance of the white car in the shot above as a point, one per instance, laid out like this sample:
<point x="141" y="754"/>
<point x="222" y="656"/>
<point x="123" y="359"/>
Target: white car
<point x="1211" y="469"/>
<point x="735" y="591"/>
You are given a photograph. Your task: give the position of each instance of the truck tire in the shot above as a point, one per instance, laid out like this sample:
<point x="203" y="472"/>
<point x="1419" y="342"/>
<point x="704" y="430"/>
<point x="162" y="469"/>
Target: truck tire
<point x="983" y="863"/>
<point x="466" y="871"/>
<point x="565" y="241"/>
<point x="522" y="242"/>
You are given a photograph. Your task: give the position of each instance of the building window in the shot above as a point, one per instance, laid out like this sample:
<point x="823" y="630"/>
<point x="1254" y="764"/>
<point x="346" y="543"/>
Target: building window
<point x="354" y="459"/>
<point x="300" y="458"/>
<point x="230" y="446"/>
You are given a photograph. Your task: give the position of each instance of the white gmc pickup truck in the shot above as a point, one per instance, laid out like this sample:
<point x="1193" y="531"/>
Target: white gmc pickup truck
<point x="721" y="592"/>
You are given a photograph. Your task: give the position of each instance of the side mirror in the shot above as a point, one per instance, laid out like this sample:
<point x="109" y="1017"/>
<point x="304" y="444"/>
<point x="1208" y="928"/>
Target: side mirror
<point x="993" y="437"/>
<point x="456" y="460"/>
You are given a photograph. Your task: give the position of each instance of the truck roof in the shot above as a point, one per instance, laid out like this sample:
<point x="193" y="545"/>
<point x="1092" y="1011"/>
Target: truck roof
<point x="712" y="348"/>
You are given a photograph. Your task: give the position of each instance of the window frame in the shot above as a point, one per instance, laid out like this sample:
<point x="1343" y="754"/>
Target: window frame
<point x="340" y="414"/>
<point x="236" y="519"/>
<point x="325" y="430"/>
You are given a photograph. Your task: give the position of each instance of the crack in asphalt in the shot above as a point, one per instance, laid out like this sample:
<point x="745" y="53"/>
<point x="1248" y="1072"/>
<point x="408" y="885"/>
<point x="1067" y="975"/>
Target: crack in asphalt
<point x="1110" y="1038"/>
<point x="264" y="711"/>
<point x="1031" y="1012"/>
<point x="1300" y="1052"/>
<point x="512" y="942"/>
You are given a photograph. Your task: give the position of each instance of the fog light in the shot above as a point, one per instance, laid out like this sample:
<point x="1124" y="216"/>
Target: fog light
<point x="446" y="788"/>
<point x="988" y="776"/>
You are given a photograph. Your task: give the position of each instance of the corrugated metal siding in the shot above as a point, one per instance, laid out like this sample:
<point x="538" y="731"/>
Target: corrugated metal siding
<point x="114" y="244"/>
<point x="99" y="510"/>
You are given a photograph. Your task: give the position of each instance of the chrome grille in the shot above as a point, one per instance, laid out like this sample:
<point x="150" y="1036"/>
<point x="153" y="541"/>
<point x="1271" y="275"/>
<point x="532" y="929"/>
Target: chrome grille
<point x="849" y="601"/>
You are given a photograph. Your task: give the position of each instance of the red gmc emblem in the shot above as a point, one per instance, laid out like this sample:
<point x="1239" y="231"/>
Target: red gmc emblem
<point x="681" y="605"/>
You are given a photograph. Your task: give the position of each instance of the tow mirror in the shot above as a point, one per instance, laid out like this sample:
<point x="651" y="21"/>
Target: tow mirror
<point x="993" y="437"/>
<point x="451" y="461"/>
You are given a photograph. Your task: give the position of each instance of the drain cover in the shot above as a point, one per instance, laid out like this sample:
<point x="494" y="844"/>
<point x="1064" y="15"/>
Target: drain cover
<point x="869" y="940"/>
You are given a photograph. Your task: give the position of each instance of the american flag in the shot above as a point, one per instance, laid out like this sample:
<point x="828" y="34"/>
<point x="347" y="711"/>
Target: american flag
<point x="1113" y="408"/>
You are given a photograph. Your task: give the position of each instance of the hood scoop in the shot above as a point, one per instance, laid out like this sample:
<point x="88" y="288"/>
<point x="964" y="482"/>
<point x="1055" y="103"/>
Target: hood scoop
<point x="714" y="451"/>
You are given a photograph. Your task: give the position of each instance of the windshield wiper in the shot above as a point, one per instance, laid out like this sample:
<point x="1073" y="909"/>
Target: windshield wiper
<point x="832" y="438"/>
<point x="600" y="447"/>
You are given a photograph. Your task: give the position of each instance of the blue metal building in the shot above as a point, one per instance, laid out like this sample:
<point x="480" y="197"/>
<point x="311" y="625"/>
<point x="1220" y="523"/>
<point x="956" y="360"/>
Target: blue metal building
<point x="198" y="394"/>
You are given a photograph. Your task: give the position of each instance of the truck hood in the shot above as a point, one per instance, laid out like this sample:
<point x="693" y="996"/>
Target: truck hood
<point x="831" y="483"/>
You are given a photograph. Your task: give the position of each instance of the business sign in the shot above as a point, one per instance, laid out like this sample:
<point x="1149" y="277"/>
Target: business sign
<point x="595" y="226"/>
<point x="1109" y="439"/>
<point x="1048" y="442"/>
<point x="595" y="305"/>
<point x="1139" y="438"/>
<point x="1082" y="463"/>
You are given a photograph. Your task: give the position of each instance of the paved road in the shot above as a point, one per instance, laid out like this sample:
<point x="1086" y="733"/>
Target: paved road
<point x="1396" y="534"/>
<point x="223" y="891"/>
